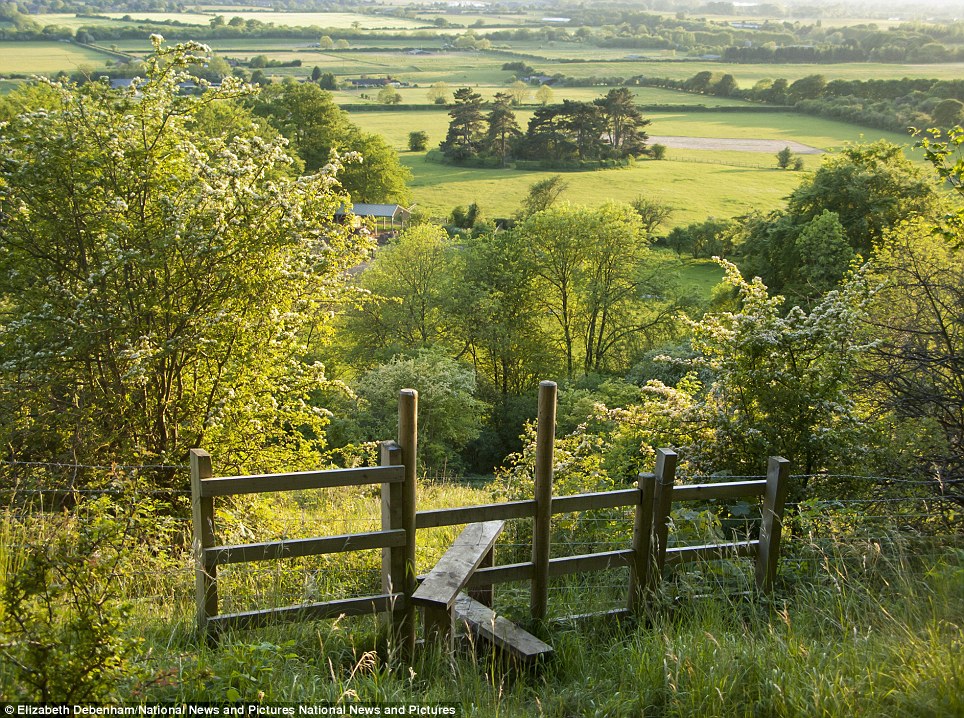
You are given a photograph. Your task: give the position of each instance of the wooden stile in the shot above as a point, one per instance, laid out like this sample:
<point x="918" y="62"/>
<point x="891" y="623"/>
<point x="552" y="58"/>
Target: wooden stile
<point x="442" y="585"/>
<point x="545" y="444"/>
<point x="482" y="621"/>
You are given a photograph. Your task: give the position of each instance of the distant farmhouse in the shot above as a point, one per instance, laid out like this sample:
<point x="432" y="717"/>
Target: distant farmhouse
<point x="387" y="218"/>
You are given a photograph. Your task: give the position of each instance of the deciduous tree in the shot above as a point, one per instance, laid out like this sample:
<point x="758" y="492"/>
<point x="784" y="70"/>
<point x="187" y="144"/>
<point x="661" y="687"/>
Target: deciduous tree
<point x="159" y="285"/>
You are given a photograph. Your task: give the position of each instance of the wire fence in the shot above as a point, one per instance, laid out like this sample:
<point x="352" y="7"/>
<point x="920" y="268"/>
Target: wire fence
<point x="893" y="513"/>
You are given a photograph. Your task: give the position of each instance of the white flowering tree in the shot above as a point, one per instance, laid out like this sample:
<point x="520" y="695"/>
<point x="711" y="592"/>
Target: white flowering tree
<point x="782" y="382"/>
<point x="160" y="284"/>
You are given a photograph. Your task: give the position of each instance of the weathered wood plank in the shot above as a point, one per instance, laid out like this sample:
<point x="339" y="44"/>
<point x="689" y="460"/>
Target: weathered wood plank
<point x="596" y="500"/>
<point x="723" y="490"/>
<point x="393" y="558"/>
<point x="590" y="562"/>
<point x="662" y="502"/>
<point x="483" y="621"/>
<point x="524" y="509"/>
<point x="452" y="572"/>
<point x="294" y="548"/>
<point x="263" y="483"/>
<point x="202" y="514"/>
<point x="642" y="560"/>
<point x="710" y="552"/>
<point x="484" y="594"/>
<point x="408" y="443"/>
<point x="501" y="574"/>
<point x="557" y="567"/>
<point x="365" y="606"/>
<point x="475" y="514"/>
<point x="542" y="492"/>
<point x="771" y="529"/>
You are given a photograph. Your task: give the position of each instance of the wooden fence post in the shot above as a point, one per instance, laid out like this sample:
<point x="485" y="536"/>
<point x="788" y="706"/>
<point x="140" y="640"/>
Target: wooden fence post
<point x="771" y="529"/>
<point x="642" y="542"/>
<point x="408" y="442"/>
<point x="545" y="440"/>
<point x="202" y="514"/>
<point x="662" y="502"/>
<point x="393" y="559"/>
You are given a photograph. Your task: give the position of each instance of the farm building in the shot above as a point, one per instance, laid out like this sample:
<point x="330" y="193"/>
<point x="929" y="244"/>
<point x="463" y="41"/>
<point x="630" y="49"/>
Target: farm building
<point x="385" y="217"/>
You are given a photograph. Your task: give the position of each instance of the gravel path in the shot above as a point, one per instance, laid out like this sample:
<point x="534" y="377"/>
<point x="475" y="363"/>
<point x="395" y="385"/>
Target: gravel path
<point x="732" y="143"/>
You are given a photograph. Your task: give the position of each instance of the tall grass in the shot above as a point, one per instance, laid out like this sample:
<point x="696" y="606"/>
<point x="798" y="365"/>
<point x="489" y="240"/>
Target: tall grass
<point x="855" y="627"/>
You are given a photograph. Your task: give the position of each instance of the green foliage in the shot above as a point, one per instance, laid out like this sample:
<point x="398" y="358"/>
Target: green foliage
<point x="784" y="158"/>
<point x="591" y="266"/>
<point x="449" y="414"/>
<point x="781" y="382"/>
<point x="465" y="133"/>
<point x="159" y="283"/>
<point x="411" y="282"/>
<point x="418" y="141"/>
<point x="914" y="364"/>
<point x="712" y="238"/>
<point x="503" y="128"/>
<point x="652" y="212"/>
<point x="824" y="253"/>
<point x="948" y="159"/>
<point x="438" y="93"/>
<point x="63" y="619"/>
<point x="389" y="96"/>
<point x="319" y="131"/>
<point x="542" y="195"/>
<point x="840" y="211"/>
<point x="870" y="186"/>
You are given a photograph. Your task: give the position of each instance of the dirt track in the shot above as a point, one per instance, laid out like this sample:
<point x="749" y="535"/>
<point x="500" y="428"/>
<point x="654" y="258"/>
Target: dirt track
<point x="730" y="143"/>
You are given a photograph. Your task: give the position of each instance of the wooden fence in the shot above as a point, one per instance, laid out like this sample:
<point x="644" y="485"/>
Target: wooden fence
<point x="646" y="557"/>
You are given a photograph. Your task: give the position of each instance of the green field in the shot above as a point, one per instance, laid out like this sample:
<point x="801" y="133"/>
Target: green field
<point x="695" y="190"/>
<point x="283" y="19"/>
<point x="813" y="131"/>
<point x="713" y="182"/>
<point x="47" y="58"/>
<point x="747" y="75"/>
<point x="644" y="95"/>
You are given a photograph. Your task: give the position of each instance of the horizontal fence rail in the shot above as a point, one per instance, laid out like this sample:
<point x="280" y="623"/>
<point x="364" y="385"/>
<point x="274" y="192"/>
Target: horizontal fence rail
<point x="301" y="480"/>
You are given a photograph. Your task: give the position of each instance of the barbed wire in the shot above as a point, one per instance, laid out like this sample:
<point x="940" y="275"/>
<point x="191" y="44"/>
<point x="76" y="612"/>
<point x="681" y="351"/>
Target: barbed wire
<point x="103" y="467"/>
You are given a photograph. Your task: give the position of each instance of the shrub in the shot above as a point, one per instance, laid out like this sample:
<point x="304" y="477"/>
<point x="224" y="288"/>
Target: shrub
<point x="60" y="611"/>
<point x="418" y="141"/>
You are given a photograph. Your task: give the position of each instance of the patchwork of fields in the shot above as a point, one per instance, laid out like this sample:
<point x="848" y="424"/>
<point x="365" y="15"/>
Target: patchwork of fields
<point x="720" y="179"/>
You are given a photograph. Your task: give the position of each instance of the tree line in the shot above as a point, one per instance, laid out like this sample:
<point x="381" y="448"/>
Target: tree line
<point x="608" y="128"/>
<point x="893" y="105"/>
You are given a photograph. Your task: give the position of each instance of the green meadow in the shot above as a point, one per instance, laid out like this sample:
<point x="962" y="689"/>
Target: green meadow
<point x="644" y="95"/>
<point x="719" y="183"/>
<point x="283" y="19"/>
<point x="47" y="58"/>
<point x="747" y="75"/>
<point x="824" y="134"/>
<point x="694" y="190"/>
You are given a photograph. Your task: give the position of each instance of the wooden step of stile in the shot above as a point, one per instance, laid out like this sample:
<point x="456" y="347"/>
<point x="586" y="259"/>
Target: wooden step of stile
<point x="482" y="621"/>
<point x="437" y="593"/>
